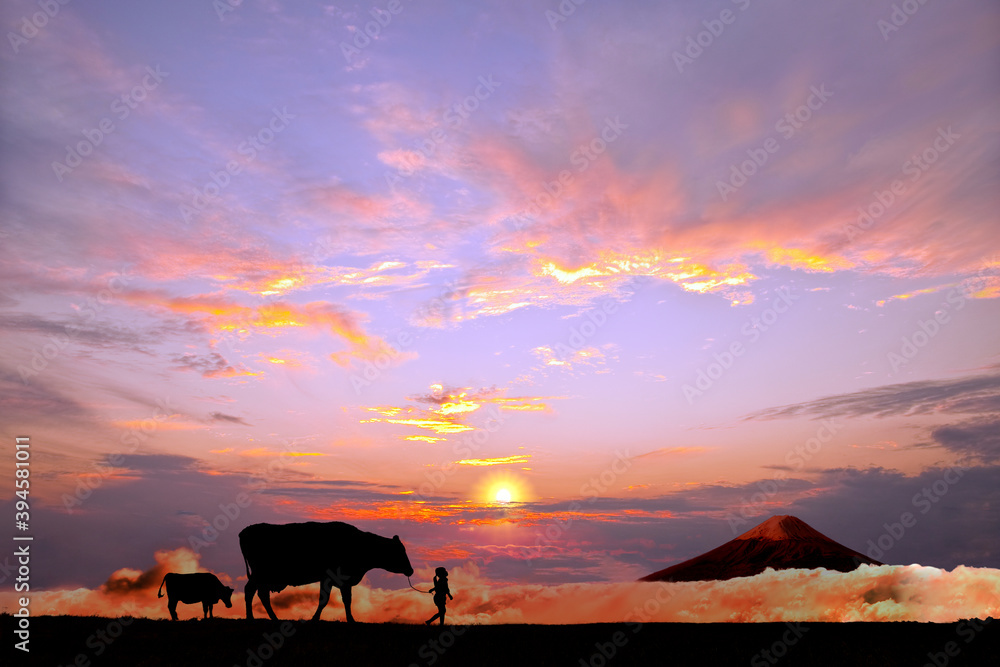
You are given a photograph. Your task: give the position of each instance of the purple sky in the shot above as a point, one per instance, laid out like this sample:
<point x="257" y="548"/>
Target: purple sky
<point x="630" y="281"/>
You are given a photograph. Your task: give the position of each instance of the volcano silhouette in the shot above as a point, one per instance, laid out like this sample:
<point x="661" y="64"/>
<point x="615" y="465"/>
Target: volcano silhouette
<point x="781" y="542"/>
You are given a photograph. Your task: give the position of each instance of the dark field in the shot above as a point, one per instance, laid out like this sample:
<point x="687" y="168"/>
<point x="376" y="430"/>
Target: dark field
<point x="85" y="641"/>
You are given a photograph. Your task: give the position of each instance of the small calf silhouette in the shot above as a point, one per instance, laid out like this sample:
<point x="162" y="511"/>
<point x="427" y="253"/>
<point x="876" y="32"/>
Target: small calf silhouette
<point x="203" y="587"/>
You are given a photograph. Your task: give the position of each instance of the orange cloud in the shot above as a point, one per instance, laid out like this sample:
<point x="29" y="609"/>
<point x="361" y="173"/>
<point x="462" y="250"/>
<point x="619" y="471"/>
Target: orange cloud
<point x="586" y="356"/>
<point x="500" y="461"/>
<point x="609" y="224"/>
<point x="910" y="295"/>
<point x="545" y="281"/>
<point x="232" y="372"/>
<point x="265" y="451"/>
<point x="797" y="258"/>
<point x="449" y="407"/>
<point x="436" y="425"/>
<point x="304" y="276"/>
<point x="286" y="360"/>
<point x="222" y="315"/>
<point x="674" y="451"/>
<point x="985" y="284"/>
<point x="128" y="581"/>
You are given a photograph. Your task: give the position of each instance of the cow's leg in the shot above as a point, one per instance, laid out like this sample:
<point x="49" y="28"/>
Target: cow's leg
<point x="248" y="592"/>
<point x="172" y="606"/>
<point x="324" y="597"/>
<point x="265" y="599"/>
<point x="208" y="609"/>
<point x="345" y="595"/>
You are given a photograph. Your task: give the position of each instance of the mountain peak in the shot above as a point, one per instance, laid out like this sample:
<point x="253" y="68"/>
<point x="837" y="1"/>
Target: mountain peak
<point x="780" y="543"/>
<point x="783" y="527"/>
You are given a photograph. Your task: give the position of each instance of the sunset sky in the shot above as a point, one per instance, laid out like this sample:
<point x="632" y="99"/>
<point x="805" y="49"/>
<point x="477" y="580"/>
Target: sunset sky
<point x="657" y="270"/>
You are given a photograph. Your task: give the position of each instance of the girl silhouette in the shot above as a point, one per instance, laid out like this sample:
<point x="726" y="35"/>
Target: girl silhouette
<point x="440" y="590"/>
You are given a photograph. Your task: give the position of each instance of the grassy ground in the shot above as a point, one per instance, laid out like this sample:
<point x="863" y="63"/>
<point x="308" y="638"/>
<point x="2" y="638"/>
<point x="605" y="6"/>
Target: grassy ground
<point x="87" y="641"/>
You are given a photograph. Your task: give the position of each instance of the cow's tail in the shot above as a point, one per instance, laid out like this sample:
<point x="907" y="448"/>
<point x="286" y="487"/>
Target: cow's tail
<point x="159" y="593"/>
<point x="247" y="563"/>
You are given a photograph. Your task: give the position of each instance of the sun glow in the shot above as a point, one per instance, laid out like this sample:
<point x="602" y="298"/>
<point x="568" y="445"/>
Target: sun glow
<point x="504" y="488"/>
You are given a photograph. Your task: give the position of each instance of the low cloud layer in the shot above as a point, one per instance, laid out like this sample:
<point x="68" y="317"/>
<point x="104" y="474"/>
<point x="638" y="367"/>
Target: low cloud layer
<point x="884" y="593"/>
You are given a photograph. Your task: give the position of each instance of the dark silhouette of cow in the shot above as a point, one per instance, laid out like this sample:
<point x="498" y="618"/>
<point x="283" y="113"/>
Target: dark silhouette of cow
<point x="334" y="554"/>
<point x="203" y="587"/>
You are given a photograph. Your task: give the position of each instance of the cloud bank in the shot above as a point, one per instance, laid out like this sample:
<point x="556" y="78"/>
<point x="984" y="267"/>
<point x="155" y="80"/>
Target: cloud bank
<point x="883" y="593"/>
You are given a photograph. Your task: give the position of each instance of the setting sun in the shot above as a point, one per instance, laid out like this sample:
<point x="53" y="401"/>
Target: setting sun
<point x="503" y="487"/>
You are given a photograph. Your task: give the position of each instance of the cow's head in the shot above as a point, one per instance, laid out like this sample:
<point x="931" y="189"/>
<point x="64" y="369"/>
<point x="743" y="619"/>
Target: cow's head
<point x="226" y="596"/>
<point x="397" y="561"/>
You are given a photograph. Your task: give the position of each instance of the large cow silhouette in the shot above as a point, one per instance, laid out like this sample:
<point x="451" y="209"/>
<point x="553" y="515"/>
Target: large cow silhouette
<point x="334" y="554"/>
